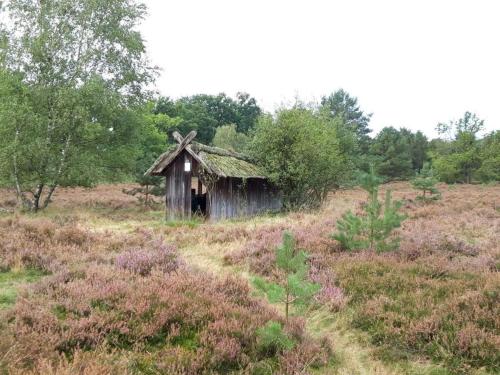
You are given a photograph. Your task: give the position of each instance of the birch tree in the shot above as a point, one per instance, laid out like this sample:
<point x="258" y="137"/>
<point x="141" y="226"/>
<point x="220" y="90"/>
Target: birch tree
<point x="71" y="74"/>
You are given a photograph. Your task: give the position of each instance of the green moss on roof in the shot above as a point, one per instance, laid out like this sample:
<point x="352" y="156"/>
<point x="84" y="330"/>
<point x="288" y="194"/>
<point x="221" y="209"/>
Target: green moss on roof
<point x="221" y="162"/>
<point x="229" y="166"/>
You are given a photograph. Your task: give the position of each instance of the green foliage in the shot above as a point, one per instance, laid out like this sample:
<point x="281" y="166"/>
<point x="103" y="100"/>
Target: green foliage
<point x="302" y="153"/>
<point x="398" y="153"/>
<point x="293" y="289"/>
<point x="72" y="76"/>
<point x="349" y="229"/>
<point x="342" y="106"/>
<point x="152" y="138"/>
<point x="426" y="182"/>
<point x="11" y="281"/>
<point x="460" y="156"/>
<point x="392" y="151"/>
<point x="374" y="229"/>
<point x="227" y="137"/>
<point x="272" y="339"/>
<point x="490" y="156"/>
<point x="205" y="113"/>
<point x="419" y="146"/>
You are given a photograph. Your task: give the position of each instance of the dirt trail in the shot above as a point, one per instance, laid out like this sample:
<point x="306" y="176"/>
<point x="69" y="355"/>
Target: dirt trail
<point x="351" y="357"/>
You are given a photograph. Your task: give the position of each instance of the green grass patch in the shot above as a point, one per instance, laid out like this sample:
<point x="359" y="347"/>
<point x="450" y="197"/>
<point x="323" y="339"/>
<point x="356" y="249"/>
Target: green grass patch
<point x="191" y="223"/>
<point x="10" y="282"/>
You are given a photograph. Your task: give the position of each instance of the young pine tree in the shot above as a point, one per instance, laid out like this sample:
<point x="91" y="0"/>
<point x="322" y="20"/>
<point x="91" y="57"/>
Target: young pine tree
<point x="426" y="182"/>
<point x="373" y="229"/>
<point x="293" y="288"/>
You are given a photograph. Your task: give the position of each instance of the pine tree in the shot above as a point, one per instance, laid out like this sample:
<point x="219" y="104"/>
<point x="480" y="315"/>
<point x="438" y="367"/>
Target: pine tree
<point x="372" y="230"/>
<point x="293" y="288"/>
<point x="425" y="181"/>
<point x="273" y="339"/>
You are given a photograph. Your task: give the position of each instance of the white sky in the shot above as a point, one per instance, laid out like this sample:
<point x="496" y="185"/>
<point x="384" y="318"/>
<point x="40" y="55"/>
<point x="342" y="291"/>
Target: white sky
<point x="411" y="63"/>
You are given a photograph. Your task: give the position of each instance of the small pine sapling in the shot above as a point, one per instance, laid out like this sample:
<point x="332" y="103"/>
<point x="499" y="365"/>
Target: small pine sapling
<point x="349" y="228"/>
<point x="373" y="229"/>
<point x="426" y="182"/>
<point x="293" y="289"/>
<point x="272" y="338"/>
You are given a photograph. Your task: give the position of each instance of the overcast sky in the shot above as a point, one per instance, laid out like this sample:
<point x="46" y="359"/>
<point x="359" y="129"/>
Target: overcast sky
<point x="410" y="63"/>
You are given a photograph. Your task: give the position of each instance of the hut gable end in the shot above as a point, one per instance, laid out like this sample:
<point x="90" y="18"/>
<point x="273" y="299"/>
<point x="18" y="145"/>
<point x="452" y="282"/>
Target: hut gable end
<point x="235" y="185"/>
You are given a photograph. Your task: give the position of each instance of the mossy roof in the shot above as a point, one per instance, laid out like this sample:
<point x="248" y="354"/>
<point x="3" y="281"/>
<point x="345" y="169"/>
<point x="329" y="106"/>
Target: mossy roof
<point x="231" y="166"/>
<point x="220" y="162"/>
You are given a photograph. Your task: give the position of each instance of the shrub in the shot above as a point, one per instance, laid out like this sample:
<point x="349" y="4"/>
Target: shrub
<point x="184" y="322"/>
<point x="450" y="317"/>
<point x="142" y="261"/>
<point x="330" y="295"/>
<point x="302" y="153"/>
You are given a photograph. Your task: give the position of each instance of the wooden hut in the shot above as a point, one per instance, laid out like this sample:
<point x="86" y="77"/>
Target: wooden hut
<point x="212" y="181"/>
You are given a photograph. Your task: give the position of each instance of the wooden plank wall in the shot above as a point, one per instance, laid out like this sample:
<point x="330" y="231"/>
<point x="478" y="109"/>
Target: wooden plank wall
<point x="178" y="189"/>
<point x="233" y="197"/>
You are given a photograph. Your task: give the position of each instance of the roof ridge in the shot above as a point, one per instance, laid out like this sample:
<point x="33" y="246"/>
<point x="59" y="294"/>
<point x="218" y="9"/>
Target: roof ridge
<point x="221" y="151"/>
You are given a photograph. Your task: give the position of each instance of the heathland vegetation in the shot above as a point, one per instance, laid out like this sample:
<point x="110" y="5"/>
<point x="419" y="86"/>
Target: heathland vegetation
<point x="384" y="260"/>
<point x="97" y="283"/>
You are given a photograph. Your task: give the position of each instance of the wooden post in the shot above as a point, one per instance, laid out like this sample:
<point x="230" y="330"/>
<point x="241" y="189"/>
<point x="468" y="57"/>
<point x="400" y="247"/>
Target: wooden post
<point x="200" y="187"/>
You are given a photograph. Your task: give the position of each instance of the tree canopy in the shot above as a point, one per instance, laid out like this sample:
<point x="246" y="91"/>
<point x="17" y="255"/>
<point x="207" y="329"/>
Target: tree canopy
<point x="205" y="113"/>
<point x="72" y="72"/>
<point x="459" y="156"/>
<point x="341" y="104"/>
<point x="302" y="153"/>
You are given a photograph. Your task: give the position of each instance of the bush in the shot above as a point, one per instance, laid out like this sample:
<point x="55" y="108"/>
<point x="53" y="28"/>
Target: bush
<point x="302" y="154"/>
<point x="182" y="322"/>
<point x="142" y="261"/>
<point x="409" y="309"/>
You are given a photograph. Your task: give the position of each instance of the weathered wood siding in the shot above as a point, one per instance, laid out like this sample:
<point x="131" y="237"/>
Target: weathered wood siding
<point x="233" y="197"/>
<point x="178" y="189"/>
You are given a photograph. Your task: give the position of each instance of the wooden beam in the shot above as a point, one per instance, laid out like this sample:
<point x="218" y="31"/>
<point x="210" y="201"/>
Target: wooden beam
<point x="188" y="137"/>
<point x="195" y="156"/>
<point x="182" y="145"/>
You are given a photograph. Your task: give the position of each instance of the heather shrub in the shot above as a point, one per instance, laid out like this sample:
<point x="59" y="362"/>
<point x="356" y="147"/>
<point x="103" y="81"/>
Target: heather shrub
<point x="40" y="243"/>
<point x="259" y="251"/>
<point x="181" y="322"/>
<point x="73" y="235"/>
<point x="260" y="254"/>
<point x="316" y="355"/>
<point x="142" y="261"/>
<point x="408" y="309"/>
<point x="330" y="295"/>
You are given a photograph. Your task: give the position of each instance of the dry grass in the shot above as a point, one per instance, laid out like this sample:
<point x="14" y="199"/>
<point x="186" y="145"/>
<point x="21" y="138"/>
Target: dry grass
<point x="397" y="318"/>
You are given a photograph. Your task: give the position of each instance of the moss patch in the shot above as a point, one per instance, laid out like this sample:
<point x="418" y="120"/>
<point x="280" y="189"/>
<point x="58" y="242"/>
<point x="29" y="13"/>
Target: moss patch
<point x="10" y="282"/>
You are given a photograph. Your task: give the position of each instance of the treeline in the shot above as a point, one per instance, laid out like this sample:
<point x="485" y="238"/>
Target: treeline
<point x="75" y="110"/>
<point x="310" y="149"/>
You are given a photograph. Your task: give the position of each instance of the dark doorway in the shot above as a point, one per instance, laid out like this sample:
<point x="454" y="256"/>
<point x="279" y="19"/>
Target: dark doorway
<point x="198" y="203"/>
